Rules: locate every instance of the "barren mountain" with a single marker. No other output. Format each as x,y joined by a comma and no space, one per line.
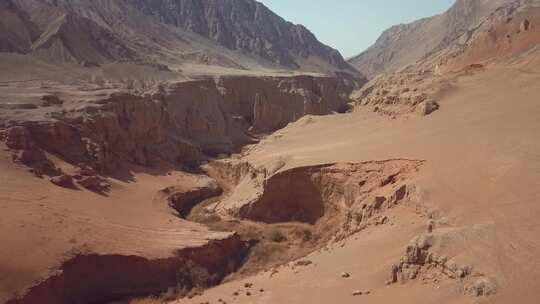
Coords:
415,77
406,44
244,25
241,34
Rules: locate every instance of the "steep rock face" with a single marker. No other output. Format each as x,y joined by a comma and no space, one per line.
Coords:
405,44
244,25
185,121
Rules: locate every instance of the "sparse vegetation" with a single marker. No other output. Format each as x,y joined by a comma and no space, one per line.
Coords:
147,300
277,236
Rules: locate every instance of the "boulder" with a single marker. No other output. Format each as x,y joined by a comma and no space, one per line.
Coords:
93,183
481,287
85,170
303,263
63,180
393,275
428,107
525,25
430,226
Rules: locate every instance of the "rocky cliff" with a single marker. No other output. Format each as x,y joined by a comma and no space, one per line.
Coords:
180,122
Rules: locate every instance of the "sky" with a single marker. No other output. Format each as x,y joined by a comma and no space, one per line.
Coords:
351,26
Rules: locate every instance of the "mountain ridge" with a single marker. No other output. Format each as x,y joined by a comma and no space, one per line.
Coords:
240,33
405,44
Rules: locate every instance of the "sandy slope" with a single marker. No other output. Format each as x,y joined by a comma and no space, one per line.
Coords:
481,176
48,225
366,256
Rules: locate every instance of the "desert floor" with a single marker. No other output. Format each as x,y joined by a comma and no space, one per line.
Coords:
482,174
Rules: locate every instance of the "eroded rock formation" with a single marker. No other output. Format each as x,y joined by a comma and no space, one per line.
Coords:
180,123
402,93
339,199
97,278
425,259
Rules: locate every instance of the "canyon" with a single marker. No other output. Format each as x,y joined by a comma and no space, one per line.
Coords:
157,151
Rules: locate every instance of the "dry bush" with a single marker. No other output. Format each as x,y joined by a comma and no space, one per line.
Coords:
205,218
148,300
277,236
302,233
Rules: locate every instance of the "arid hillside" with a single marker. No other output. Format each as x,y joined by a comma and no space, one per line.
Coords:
471,31
241,34
506,34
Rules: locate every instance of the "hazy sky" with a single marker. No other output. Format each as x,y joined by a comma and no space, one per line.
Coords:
353,25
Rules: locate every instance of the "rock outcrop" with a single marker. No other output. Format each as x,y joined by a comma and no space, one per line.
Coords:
339,199
418,257
63,180
26,151
426,259
402,93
